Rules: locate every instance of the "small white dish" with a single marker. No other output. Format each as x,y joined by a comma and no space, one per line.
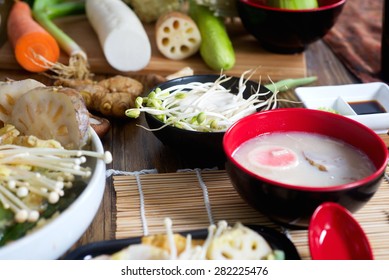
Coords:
341,98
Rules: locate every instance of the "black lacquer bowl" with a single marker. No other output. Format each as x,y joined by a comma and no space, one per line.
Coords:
288,31
276,240
196,143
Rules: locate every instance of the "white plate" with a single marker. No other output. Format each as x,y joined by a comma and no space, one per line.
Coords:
338,98
55,238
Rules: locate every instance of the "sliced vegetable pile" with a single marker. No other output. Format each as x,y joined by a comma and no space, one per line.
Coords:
46,112
222,243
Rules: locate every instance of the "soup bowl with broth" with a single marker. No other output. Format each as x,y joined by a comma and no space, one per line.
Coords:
287,162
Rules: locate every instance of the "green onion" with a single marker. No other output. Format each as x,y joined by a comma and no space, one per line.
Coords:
293,4
288,84
44,11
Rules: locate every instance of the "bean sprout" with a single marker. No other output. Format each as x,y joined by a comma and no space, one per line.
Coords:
205,107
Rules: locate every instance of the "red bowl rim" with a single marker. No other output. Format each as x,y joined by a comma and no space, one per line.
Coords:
264,7
378,173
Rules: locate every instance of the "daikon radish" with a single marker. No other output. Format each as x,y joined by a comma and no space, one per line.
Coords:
122,36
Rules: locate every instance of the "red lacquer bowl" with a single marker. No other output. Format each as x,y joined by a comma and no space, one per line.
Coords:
293,205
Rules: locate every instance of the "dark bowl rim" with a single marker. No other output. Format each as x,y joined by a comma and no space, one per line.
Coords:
256,5
194,132
277,240
174,128
374,176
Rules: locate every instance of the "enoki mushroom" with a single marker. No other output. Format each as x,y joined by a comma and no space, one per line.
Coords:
43,172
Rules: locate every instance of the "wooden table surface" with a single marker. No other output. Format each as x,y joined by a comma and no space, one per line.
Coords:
134,149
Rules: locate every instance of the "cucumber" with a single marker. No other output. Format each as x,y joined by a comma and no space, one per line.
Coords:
216,48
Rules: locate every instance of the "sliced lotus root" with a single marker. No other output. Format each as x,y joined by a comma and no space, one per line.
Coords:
177,35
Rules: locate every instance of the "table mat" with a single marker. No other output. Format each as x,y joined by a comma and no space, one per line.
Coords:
195,198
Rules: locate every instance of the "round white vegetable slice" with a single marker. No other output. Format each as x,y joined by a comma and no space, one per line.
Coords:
10,91
52,113
177,35
238,243
122,36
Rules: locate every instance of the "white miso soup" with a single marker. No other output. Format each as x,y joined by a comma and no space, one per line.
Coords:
305,159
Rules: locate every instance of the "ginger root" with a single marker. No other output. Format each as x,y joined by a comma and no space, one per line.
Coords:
110,97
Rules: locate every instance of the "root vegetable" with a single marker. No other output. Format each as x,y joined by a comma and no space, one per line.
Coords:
239,243
52,113
10,91
122,36
33,46
110,97
177,36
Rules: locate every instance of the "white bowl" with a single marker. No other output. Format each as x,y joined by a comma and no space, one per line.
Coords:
339,97
56,237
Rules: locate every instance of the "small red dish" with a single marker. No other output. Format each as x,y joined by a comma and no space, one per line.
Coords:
334,234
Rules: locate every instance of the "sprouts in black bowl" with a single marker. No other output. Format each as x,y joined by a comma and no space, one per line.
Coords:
194,123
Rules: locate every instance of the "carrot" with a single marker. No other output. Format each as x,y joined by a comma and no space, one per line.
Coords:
35,49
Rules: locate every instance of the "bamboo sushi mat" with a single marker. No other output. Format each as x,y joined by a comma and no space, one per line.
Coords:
195,198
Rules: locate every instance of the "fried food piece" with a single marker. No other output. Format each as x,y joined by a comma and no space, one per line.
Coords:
162,241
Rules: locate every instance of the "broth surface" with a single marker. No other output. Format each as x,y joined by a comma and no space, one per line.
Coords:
305,159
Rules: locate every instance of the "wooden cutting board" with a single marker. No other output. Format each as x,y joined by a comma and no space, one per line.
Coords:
249,54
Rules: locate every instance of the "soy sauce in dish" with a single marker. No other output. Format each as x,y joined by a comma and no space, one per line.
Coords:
367,107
